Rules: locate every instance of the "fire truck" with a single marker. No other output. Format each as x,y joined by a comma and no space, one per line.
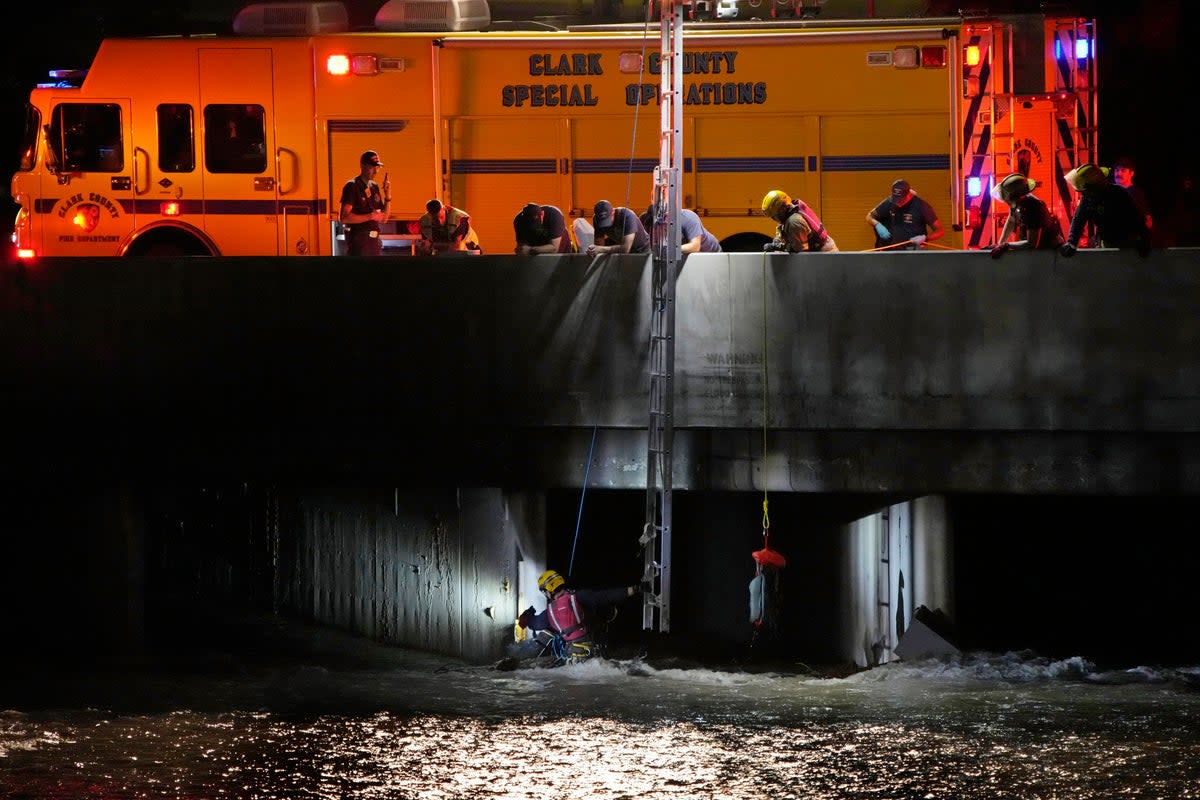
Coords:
240,144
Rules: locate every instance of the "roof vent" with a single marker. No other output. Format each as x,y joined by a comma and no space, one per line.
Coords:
291,19
433,15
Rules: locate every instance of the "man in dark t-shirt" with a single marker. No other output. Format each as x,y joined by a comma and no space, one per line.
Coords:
541,229
904,219
1122,175
364,205
618,230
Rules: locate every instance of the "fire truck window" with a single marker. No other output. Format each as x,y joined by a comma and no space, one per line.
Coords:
176,146
88,136
235,139
29,138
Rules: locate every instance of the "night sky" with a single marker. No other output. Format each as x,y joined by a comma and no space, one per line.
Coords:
1145,86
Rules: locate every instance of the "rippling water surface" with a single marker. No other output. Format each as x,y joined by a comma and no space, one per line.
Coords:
347,719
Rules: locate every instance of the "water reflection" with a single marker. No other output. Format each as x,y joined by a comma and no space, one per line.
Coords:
373,722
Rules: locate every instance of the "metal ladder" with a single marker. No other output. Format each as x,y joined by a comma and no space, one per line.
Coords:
660,432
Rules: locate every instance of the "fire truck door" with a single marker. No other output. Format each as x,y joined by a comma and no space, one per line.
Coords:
237,120
88,207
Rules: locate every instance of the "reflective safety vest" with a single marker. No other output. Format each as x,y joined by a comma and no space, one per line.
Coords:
566,617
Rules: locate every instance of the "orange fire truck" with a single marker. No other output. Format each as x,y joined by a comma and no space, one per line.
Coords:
241,144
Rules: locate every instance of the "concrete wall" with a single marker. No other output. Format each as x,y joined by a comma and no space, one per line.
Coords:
435,570
1028,373
891,562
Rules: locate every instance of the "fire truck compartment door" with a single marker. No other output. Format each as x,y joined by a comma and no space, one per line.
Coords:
497,166
238,151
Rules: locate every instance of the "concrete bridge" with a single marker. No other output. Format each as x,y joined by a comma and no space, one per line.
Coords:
405,432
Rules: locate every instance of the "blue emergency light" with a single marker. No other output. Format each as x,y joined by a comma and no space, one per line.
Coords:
1083,49
974,186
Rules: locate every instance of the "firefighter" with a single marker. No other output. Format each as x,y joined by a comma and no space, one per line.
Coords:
1109,207
573,614
902,218
365,205
1028,216
798,229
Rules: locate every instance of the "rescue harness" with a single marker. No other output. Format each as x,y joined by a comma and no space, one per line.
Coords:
817,237
567,617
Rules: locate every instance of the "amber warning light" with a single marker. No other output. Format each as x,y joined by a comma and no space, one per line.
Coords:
338,64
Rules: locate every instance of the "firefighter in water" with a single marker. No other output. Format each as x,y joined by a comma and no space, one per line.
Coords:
799,229
1109,207
573,615
1028,216
366,204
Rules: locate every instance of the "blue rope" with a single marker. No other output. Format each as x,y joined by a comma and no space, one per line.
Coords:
579,517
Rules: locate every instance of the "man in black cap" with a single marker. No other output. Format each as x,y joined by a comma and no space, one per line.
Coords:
904,219
618,230
541,229
364,206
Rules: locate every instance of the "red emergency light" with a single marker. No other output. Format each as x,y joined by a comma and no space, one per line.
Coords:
169,208
933,56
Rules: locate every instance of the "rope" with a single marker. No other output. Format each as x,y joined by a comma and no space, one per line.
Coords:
579,517
766,515
906,243
637,108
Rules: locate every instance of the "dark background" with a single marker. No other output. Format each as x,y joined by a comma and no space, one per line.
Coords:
1144,81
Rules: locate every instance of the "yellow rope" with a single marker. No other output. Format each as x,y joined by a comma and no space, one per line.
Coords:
766,517
906,243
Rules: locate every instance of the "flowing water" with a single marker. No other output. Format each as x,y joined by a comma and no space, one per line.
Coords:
338,717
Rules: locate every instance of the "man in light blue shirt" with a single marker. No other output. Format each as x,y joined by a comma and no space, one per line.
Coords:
694,237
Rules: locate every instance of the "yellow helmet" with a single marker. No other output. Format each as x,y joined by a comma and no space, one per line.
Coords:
775,201
1014,186
550,581
1086,175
